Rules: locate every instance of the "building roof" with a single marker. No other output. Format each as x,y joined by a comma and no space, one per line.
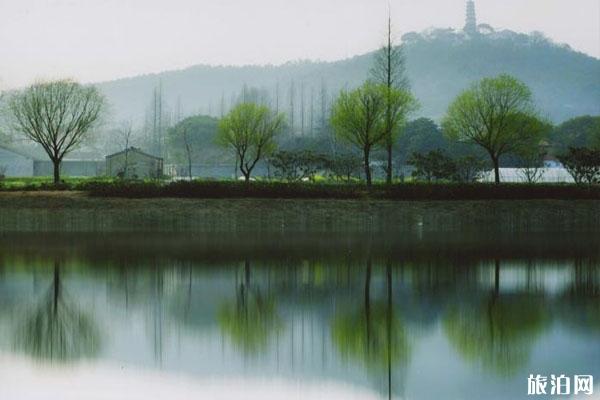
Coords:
135,150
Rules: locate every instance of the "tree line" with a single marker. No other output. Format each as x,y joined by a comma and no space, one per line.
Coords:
495,118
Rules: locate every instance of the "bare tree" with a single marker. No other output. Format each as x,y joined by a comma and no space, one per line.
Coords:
312,111
323,104
125,132
277,97
302,111
221,106
188,150
56,115
292,105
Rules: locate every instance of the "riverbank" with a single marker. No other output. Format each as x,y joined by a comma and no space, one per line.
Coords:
69,211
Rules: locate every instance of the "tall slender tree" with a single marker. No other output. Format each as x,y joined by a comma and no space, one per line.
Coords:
292,105
390,70
302,109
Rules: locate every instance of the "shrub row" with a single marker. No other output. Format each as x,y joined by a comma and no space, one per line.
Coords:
320,190
405,191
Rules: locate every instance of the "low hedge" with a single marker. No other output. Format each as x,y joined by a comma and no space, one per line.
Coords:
321,190
405,191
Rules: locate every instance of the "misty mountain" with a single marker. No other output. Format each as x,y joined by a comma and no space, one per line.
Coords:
440,63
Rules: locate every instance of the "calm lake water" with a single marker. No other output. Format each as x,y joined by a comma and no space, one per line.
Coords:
303,316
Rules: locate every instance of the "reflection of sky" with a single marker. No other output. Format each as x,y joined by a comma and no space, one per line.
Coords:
155,346
103,381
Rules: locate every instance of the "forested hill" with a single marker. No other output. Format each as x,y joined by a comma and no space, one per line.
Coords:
440,64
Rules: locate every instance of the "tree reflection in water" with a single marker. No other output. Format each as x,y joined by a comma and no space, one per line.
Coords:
374,335
55,329
499,331
579,306
252,319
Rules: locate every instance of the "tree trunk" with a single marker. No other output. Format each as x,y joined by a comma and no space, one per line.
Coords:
367,166
56,164
496,277
190,167
126,161
496,169
389,164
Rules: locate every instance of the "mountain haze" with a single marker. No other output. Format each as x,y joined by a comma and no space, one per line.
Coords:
440,63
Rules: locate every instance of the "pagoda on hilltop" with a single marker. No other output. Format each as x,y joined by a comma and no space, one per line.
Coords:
471,19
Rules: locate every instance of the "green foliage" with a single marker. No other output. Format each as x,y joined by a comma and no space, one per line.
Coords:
250,321
420,136
250,130
344,166
295,166
400,103
197,132
468,169
582,164
433,166
56,115
357,116
496,114
349,333
581,131
437,166
498,334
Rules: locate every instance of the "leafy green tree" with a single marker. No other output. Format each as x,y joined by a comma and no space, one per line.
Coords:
583,164
56,115
344,165
190,138
498,332
530,154
420,136
358,118
468,169
295,166
250,130
432,166
581,131
496,114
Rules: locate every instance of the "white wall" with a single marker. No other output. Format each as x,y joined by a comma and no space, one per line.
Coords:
549,175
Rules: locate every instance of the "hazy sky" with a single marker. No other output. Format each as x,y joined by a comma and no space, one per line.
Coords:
93,40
